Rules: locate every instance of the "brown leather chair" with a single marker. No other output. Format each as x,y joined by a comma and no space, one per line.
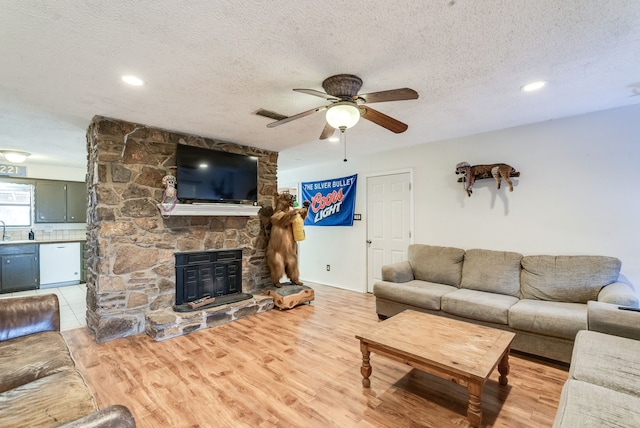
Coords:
39,382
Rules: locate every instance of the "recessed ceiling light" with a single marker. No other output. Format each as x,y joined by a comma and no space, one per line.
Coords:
132,80
334,139
533,86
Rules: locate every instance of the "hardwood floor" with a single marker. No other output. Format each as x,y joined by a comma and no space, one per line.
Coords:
298,368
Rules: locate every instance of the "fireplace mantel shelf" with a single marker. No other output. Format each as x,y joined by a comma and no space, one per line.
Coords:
238,210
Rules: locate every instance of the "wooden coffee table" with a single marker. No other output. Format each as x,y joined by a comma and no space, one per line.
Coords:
462,352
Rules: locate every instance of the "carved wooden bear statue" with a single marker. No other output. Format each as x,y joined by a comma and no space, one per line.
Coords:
282,252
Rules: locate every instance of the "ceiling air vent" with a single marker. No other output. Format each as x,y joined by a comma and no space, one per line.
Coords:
270,114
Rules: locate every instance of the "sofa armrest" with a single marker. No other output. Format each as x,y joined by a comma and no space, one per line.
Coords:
607,318
397,272
618,293
115,416
20,316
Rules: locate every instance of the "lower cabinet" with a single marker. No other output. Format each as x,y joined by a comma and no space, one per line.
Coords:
83,262
19,268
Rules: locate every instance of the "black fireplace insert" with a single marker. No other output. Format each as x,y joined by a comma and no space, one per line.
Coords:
208,273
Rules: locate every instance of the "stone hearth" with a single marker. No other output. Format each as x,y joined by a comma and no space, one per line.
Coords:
167,323
131,246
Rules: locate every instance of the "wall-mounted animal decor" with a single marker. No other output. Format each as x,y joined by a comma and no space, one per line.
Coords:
478,172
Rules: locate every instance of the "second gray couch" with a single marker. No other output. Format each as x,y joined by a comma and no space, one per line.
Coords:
603,389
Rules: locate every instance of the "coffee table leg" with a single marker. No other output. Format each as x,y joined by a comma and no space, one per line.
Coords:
503,368
366,366
474,411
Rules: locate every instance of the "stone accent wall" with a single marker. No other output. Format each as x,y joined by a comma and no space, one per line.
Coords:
131,264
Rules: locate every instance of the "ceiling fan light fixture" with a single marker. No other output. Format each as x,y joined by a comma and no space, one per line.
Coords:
343,115
15,156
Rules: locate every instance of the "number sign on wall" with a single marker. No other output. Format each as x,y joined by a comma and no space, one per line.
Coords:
13,170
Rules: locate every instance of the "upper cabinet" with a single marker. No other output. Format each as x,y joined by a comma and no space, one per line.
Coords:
61,201
51,202
76,202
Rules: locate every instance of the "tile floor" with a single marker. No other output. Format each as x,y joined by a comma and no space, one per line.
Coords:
73,304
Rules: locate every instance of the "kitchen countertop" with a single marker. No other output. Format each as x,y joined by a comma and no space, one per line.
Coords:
41,241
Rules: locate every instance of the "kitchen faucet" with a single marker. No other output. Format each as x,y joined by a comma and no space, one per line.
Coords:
4,230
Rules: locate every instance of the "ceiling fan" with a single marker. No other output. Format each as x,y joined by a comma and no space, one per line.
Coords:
347,106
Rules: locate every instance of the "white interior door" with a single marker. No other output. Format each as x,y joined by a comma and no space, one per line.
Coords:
388,222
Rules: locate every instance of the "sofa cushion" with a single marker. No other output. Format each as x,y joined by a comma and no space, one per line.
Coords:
492,271
442,265
47,402
421,294
557,319
618,293
609,319
575,279
27,358
478,305
397,272
586,405
606,360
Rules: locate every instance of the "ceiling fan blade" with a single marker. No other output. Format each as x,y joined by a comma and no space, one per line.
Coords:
327,132
383,120
392,95
295,116
317,94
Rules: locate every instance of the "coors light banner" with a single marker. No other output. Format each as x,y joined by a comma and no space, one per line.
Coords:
332,201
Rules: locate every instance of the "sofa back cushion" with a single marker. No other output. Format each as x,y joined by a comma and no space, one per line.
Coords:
573,279
493,271
436,264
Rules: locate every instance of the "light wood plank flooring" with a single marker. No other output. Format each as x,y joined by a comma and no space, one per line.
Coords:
298,368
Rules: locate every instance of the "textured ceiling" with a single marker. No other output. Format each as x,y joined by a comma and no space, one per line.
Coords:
208,65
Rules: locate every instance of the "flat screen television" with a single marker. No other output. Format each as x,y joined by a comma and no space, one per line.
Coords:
206,176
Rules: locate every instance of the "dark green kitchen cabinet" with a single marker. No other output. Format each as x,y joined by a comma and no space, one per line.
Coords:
83,262
76,202
19,267
51,202
61,201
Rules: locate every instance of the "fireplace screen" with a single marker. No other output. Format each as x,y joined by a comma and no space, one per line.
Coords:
208,273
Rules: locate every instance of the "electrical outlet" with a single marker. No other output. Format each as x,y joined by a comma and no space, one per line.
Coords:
328,268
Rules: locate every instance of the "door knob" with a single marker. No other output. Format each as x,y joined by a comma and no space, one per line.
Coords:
369,241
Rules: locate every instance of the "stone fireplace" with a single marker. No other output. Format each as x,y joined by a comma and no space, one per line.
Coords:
131,246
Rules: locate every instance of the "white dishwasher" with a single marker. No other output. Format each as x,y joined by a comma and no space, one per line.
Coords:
59,264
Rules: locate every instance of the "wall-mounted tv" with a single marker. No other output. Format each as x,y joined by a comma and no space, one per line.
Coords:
206,175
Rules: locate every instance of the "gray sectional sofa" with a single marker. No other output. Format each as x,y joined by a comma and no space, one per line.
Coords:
543,299
603,389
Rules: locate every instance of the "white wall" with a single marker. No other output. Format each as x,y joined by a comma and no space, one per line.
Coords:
577,194
48,172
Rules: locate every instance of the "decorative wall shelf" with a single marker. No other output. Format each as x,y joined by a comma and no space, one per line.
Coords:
237,210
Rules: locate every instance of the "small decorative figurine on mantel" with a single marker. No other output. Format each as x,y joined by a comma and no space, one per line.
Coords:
477,172
169,197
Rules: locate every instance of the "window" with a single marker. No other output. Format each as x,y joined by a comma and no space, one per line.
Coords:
15,204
